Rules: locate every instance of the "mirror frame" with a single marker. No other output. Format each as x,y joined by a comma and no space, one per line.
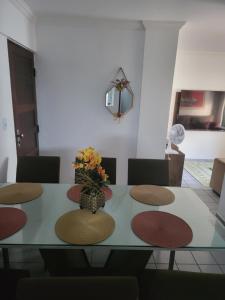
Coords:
121,78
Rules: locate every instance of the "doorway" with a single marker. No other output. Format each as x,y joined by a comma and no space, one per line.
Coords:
22,74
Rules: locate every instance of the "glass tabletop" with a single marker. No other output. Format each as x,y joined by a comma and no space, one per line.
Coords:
43,213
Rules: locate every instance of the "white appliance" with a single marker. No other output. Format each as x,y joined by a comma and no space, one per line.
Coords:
176,136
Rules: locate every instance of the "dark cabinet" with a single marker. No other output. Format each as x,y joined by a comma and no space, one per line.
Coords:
176,165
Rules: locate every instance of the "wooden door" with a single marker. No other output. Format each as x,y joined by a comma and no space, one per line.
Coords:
22,72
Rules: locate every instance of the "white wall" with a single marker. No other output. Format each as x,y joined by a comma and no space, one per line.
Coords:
77,59
15,25
7,144
196,70
17,22
203,144
158,70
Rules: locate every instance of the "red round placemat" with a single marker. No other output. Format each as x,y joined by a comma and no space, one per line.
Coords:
74,193
162,229
11,221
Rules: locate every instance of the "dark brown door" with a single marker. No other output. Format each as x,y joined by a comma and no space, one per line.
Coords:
22,72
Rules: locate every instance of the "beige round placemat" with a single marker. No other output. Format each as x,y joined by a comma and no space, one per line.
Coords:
81,227
20,192
152,194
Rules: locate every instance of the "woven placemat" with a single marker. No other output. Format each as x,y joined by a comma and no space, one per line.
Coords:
162,229
152,194
74,193
20,192
11,220
81,227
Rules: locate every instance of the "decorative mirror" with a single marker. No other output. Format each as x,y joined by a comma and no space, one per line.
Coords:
119,97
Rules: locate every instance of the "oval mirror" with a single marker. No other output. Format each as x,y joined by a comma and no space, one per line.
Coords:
119,98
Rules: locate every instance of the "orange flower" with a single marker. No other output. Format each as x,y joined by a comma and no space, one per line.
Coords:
102,173
89,160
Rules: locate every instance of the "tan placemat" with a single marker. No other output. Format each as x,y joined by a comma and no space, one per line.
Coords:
152,194
81,227
20,192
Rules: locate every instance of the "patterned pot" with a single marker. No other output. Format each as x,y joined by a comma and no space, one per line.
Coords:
92,201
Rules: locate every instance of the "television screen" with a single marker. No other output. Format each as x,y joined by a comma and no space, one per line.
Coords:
200,110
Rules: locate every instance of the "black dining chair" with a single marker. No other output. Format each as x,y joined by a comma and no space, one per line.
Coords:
9,280
109,164
176,285
150,285
46,169
40,169
148,171
85,288
140,171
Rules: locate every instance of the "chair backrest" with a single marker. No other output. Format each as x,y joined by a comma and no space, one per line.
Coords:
148,171
43,169
84,288
109,164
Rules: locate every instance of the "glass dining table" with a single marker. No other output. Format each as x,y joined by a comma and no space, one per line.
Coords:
43,213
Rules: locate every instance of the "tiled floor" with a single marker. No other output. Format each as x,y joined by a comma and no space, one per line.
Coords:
196,261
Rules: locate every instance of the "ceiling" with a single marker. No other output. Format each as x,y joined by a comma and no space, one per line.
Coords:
205,18
133,9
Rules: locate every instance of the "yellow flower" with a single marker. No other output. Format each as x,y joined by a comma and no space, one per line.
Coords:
80,156
88,153
78,165
89,159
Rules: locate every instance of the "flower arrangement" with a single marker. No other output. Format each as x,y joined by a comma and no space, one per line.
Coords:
120,84
89,171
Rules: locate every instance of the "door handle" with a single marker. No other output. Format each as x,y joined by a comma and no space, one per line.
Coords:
19,137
